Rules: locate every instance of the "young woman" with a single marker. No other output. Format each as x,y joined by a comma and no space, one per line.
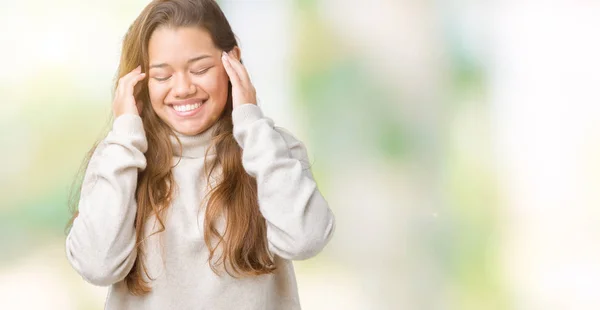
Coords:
194,200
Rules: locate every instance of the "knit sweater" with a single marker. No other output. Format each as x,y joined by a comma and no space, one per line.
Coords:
101,243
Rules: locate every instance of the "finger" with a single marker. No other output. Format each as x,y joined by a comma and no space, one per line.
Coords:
131,83
124,80
138,83
239,68
233,76
132,73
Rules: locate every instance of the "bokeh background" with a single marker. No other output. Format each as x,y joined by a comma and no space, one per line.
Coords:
457,142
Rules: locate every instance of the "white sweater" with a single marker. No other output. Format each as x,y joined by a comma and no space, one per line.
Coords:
101,243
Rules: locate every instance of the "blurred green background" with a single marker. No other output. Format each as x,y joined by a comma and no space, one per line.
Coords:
457,142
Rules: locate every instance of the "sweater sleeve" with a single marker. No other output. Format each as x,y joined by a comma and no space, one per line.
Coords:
299,220
101,243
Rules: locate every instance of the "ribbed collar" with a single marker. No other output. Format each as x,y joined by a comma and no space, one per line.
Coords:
193,146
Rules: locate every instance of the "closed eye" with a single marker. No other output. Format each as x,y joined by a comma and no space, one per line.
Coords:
161,79
200,72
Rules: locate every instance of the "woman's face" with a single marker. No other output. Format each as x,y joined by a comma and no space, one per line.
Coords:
186,79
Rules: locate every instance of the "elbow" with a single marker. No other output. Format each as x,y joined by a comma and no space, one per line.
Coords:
307,244
307,248
101,269
315,241
105,273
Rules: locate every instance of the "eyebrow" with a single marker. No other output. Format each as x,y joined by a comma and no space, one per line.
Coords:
162,65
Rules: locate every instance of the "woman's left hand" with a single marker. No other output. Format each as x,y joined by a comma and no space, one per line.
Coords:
242,89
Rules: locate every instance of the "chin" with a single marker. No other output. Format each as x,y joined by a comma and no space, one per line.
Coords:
189,131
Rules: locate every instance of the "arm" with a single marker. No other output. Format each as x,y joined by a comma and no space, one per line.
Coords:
101,243
299,220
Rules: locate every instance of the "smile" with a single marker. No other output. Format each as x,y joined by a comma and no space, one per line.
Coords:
187,107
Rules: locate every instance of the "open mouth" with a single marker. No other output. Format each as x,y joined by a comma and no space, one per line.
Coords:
186,109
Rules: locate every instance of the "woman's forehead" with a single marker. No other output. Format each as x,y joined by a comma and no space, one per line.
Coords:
180,44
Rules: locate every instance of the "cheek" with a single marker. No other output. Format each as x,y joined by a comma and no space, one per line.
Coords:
216,84
157,93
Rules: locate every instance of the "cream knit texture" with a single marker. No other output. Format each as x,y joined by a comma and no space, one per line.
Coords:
101,243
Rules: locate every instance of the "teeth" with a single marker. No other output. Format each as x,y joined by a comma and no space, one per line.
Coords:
187,107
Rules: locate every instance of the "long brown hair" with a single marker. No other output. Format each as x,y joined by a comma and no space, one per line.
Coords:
243,249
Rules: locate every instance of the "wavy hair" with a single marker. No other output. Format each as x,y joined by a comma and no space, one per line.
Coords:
241,250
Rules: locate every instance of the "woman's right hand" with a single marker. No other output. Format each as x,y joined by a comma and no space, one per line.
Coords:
124,102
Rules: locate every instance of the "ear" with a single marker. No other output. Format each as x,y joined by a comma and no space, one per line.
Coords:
236,52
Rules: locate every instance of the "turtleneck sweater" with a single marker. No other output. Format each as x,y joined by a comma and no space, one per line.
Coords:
101,243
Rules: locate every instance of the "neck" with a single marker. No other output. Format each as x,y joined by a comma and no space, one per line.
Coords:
192,146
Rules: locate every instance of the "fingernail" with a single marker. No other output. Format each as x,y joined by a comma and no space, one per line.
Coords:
225,54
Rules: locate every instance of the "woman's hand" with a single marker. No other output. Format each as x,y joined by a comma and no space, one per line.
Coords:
242,89
124,102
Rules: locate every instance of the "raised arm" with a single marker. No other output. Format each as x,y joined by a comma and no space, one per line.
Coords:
101,243
299,220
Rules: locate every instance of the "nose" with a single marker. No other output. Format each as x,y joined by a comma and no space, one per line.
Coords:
183,87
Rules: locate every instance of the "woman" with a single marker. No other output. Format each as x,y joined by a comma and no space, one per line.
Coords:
194,200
